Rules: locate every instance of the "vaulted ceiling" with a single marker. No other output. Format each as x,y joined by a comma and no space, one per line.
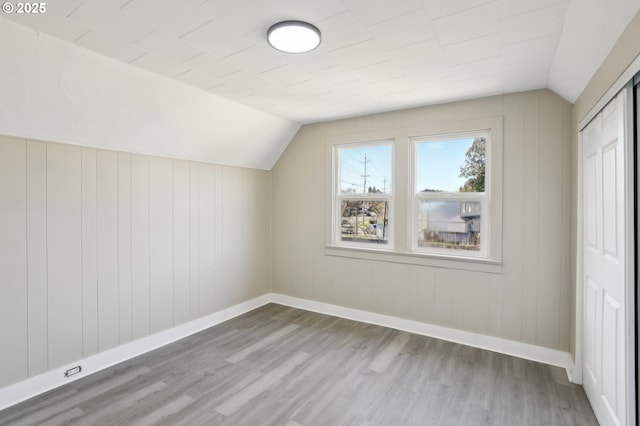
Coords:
376,55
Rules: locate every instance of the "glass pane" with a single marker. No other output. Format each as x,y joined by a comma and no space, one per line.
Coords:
365,170
456,165
364,220
449,224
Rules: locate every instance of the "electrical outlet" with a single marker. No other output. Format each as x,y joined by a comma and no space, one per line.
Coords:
75,370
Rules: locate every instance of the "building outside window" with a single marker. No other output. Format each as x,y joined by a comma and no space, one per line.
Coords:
451,194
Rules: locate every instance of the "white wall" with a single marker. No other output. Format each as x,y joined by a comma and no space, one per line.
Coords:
56,91
528,301
99,248
623,53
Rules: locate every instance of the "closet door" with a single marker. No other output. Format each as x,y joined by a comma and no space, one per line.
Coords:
605,368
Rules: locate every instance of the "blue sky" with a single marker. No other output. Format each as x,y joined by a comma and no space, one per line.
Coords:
438,165
378,168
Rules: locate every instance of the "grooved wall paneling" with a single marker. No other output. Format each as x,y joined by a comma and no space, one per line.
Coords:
37,255
551,252
529,251
181,242
13,260
194,197
107,242
247,233
89,252
140,245
207,221
124,247
99,248
64,253
528,300
160,244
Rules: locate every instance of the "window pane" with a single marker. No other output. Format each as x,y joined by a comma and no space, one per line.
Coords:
456,165
365,220
449,224
365,170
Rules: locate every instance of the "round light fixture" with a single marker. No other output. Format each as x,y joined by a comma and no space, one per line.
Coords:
293,36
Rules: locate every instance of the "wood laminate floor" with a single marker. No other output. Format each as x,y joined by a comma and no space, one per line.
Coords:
284,366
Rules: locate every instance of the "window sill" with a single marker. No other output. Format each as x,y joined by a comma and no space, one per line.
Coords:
419,259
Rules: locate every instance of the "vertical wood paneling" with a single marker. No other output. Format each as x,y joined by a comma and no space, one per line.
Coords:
496,319
513,304
99,248
412,309
567,297
389,285
161,244
550,235
181,242
349,283
514,219
107,243
13,261
207,238
426,293
89,253
260,240
37,255
124,247
233,230
474,302
64,244
531,219
239,202
140,245
443,297
220,226
194,289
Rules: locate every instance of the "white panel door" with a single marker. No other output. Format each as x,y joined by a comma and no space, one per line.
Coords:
605,343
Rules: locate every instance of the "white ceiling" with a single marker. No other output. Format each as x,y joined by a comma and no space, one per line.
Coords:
376,55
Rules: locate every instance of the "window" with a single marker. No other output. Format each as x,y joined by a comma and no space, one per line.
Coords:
419,195
451,194
363,197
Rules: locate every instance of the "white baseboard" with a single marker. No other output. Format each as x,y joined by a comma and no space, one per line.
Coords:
495,344
21,391
575,373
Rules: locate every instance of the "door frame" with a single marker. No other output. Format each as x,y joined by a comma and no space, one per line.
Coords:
627,91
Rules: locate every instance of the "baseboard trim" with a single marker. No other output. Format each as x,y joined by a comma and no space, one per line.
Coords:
509,347
21,391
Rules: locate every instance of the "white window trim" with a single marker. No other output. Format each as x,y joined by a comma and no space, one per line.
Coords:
402,196
483,198
337,197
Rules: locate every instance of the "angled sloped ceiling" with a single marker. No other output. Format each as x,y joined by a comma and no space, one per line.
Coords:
53,90
590,30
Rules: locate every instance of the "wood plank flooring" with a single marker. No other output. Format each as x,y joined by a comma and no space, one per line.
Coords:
284,366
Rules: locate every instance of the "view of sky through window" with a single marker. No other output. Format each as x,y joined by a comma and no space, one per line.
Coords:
438,164
366,169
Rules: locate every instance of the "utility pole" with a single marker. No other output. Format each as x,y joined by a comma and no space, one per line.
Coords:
364,191
365,175
384,186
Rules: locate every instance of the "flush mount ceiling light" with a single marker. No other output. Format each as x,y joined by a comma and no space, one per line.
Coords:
293,36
